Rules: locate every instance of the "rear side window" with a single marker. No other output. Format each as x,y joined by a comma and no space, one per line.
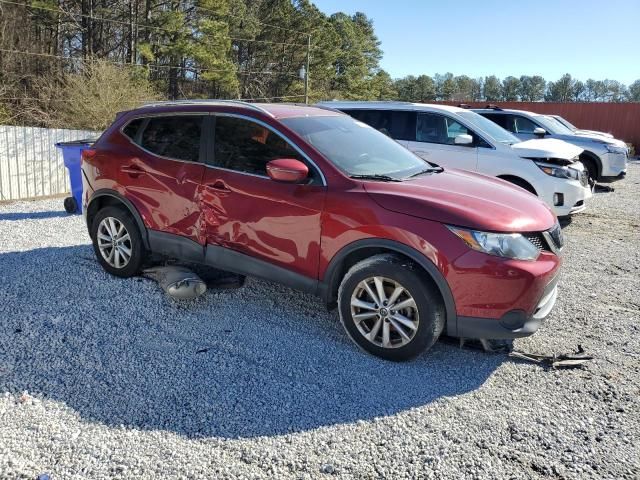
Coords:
176,137
132,128
502,120
399,125
246,146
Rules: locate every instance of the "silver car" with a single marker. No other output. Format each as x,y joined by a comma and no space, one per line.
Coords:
604,158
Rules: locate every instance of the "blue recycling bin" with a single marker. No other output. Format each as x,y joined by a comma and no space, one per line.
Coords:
71,153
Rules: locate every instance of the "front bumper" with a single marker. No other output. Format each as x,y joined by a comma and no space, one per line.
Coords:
573,195
514,323
614,165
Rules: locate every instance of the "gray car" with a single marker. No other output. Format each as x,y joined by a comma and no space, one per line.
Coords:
604,158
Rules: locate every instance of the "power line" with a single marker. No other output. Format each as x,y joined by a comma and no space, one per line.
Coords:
151,65
134,102
131,24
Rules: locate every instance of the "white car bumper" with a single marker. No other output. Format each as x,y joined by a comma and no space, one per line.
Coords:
614,164
566,197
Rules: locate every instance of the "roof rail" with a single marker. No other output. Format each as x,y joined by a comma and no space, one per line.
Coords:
327,107
211,101
493,107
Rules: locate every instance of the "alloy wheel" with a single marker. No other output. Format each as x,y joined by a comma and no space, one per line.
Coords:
114,242
384,312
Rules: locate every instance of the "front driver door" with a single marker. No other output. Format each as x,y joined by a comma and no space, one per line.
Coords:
434,141
268,223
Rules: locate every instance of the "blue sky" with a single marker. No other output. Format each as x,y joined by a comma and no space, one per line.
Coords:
588,39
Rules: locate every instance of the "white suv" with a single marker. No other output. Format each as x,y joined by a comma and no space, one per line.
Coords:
453,137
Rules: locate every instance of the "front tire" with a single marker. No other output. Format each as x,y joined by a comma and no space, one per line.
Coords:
389,308
117,242
592,169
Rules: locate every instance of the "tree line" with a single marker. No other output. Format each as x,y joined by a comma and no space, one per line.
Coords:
76,62
526,88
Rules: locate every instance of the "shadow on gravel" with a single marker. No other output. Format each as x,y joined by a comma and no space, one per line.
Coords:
260,360
31,215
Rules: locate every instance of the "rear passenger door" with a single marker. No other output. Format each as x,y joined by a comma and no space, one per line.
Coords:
271,224
163,175
434,141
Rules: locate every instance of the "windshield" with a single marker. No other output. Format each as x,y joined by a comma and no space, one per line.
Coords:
493,130
356,148
553,126
565,122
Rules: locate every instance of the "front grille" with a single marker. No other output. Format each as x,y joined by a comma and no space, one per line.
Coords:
550,241
538,240
557,236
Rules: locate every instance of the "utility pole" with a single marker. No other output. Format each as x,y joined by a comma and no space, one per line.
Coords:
306,76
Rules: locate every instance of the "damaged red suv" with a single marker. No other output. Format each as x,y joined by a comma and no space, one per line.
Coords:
318,201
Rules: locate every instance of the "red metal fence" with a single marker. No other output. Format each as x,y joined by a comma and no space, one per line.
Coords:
620,119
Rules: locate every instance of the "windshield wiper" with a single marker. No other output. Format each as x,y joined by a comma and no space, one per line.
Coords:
375,176
427,170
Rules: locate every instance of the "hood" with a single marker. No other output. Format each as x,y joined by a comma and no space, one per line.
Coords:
593,132
465,199
591,137
547,148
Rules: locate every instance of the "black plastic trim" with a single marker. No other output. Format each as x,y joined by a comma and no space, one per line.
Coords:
232,261
176,246
492,328
183,248
104,192
330,281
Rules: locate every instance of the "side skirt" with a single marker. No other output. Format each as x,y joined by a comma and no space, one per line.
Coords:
215,256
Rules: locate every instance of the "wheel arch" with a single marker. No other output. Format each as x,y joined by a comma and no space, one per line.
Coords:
104,198
587,155
361,249
521,182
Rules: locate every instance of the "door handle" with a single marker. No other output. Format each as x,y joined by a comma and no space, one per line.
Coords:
132,170
218,187
421,152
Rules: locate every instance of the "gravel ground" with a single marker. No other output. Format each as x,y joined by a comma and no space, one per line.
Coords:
108,378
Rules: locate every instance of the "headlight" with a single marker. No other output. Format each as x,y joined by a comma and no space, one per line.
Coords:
615,148
560,172
508,245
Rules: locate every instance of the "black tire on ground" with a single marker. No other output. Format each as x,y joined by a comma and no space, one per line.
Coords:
70,205
591,167
429,305
135,244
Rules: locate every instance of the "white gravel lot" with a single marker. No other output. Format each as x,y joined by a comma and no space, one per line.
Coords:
108,378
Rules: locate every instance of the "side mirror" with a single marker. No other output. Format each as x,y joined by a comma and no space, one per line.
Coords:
463,139
287,170
539,132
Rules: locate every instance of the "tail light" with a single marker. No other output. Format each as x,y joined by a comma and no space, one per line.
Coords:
87,153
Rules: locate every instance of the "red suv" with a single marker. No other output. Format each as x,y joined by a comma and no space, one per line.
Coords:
323,203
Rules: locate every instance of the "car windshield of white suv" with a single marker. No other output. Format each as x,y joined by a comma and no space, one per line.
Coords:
493,130
565,122
551,125
359,150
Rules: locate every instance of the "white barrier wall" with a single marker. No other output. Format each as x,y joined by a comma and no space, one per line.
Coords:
30,164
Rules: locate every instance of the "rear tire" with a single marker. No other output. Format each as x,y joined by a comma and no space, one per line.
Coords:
117,242
389,308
